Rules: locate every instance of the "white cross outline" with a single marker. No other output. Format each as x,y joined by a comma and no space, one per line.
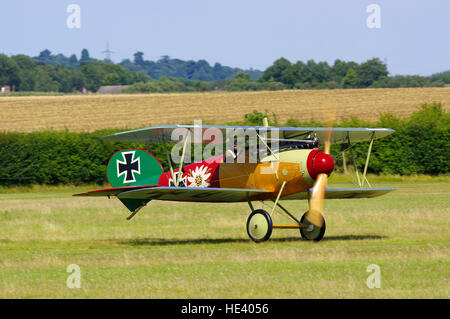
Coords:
138,160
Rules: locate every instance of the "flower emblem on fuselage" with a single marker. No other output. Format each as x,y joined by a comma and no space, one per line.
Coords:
199,177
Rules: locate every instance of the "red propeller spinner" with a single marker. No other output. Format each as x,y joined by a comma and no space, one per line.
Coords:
319,162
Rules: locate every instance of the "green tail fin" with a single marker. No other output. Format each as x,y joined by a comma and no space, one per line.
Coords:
133,167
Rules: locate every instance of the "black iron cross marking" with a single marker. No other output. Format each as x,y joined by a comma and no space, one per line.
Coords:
128,167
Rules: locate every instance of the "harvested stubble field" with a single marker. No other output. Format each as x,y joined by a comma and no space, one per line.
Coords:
93,112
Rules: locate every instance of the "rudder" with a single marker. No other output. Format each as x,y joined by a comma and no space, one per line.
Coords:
133,167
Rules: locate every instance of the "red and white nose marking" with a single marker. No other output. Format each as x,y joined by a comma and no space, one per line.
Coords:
319,163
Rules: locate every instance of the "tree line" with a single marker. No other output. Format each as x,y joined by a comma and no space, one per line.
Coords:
22,73
320,75
191,70
58,73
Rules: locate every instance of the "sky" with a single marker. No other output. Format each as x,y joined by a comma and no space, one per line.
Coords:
412,36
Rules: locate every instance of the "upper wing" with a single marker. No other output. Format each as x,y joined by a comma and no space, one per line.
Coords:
340,193
157,134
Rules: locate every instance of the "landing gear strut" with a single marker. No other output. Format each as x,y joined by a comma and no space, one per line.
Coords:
260,226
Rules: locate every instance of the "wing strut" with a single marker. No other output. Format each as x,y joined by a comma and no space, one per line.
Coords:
367,160
176,181
168,159
183,153
363,179
353,160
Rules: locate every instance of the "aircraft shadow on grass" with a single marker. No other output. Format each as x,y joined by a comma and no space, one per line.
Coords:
190,241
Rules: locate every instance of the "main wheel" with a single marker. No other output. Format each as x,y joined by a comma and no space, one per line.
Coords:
312,232
259,225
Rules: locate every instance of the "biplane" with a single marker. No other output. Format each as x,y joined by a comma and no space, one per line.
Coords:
292,168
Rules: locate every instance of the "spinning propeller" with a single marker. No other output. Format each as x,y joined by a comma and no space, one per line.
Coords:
323,164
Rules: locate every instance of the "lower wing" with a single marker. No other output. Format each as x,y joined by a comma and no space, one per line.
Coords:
341,193
191,194
135,197
112,191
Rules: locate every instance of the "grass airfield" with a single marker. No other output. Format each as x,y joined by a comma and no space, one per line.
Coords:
191,250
